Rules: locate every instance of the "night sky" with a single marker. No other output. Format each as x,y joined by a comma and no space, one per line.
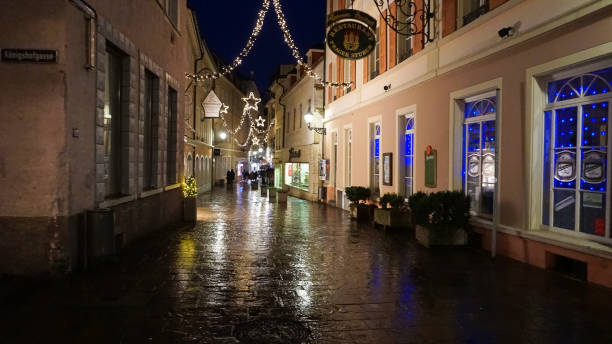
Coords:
226,25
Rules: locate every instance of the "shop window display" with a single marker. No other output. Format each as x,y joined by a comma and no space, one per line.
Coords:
297,175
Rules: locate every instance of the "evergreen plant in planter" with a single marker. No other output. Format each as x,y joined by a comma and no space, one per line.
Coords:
441,218
358,195
190,193
393,212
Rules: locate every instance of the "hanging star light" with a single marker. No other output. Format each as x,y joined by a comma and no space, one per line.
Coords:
255,141
260,121
251,102
224,109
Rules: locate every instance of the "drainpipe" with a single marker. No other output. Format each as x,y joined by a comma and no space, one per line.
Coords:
91,16
284,109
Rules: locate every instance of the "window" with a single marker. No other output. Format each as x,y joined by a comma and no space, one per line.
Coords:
113,96
335,158
375,58
301,116
294,114
171,136
576,190
171,9
404,41
347,156
479,140
150,143
297,175
470,10
408,151
375,137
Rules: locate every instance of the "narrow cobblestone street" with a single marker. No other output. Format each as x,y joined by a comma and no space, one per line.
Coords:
252,271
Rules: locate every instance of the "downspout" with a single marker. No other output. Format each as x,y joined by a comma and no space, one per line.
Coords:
91,16
284,110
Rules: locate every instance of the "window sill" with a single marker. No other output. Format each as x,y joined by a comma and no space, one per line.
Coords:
577,244
149,193
172,187
116,201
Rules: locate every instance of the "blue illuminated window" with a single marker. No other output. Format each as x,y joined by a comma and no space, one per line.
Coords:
479,154
408,171
575,186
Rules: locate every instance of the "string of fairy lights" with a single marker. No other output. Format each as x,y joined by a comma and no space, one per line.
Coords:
243,54
199,77
296,53
251,104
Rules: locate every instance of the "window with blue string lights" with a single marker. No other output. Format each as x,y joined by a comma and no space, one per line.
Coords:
479,141
576,180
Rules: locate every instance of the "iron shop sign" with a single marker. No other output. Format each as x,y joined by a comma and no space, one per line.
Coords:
351,34
29,55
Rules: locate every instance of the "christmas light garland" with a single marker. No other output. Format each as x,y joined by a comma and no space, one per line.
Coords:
199,77
251,103
296,53
244,53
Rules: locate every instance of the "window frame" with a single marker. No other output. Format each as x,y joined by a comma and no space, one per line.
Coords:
399,38
577,103
466,154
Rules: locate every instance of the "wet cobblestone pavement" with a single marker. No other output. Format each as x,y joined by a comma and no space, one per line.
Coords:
252,271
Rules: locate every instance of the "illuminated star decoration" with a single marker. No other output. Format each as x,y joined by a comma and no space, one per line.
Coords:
224,109
251,102
255,141
260,121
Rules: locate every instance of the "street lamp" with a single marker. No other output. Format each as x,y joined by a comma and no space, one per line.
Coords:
308,118
222,135
260,150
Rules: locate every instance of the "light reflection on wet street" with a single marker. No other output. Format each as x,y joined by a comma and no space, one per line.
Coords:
252,271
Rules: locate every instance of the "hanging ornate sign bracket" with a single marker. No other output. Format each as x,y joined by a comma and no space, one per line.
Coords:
412,14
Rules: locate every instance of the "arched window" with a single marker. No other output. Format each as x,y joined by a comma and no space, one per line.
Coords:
479,140
576,190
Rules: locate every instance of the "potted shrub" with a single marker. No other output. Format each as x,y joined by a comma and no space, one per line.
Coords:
281,196
190,193
441,218
393,212
358,195
264,190
254,184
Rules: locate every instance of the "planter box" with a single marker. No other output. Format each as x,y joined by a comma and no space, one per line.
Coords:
392,218
190,210
272,195
281,196
254,185
431,237
264,191
360,213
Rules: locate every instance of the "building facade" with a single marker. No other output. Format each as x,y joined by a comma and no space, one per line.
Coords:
97,127
205,131
513,95
297,148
